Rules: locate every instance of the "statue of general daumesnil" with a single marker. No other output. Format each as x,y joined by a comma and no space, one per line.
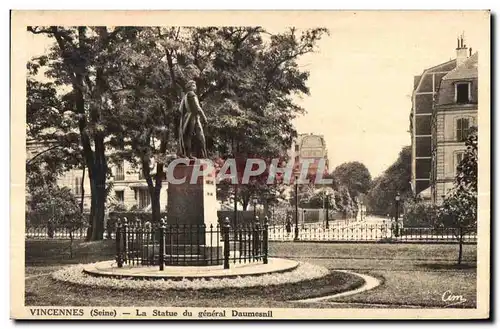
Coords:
190,125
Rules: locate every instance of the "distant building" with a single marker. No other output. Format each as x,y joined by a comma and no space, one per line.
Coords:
311,147
129,186
444,107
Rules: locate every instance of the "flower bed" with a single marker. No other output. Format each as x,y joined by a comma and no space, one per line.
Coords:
305,271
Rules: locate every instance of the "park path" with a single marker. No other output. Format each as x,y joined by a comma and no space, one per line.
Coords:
370,283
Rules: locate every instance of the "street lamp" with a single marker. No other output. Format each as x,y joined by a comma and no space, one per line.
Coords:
255,207
327,205
304,219
397,199
296,207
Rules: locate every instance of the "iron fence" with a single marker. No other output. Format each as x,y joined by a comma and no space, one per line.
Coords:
48,231
359,232
54,232
241,237
146,244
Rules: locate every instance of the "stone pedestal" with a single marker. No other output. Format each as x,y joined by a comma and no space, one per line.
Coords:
190,205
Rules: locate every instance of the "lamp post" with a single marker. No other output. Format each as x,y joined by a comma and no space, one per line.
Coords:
397,199
327,205
296,207
303,219
255,207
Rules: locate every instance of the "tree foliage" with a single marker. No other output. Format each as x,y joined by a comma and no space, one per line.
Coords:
52,142
125,85
82,62
459,208
396,178
353,175
466,178
55,208
419,214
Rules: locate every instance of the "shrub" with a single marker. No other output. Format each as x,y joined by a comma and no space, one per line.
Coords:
419,214
56,208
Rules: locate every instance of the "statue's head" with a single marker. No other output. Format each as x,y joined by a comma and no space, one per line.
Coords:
191,85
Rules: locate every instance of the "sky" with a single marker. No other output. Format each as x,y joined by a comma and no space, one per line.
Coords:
361,77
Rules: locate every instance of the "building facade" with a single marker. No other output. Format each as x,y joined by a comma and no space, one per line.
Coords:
444,107
310,147
424,92
455,112
128,184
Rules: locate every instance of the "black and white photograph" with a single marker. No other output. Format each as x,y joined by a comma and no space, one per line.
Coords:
226,166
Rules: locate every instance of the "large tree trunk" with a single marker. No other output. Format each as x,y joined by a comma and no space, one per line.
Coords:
95,161
154,188
99,198
155,205
95,230
82,187
93,197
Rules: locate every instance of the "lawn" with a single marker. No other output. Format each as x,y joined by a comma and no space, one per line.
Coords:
411,274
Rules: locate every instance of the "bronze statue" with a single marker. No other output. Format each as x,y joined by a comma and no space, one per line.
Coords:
190,124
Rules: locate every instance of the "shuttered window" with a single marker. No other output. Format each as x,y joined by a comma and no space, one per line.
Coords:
462,129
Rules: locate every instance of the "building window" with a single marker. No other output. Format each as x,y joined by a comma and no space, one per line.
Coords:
119,174
462,93
296,147
144,199
78,185
462,129
119,196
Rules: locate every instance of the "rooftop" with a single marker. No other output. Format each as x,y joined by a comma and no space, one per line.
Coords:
468,69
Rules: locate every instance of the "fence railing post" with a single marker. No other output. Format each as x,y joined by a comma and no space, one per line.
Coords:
161,251
225,229
125,239
119,257
265,238
256,238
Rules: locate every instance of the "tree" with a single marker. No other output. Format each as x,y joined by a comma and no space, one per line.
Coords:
419,214
466,178
396,178
52,141
127,82
355,176
459,208
459,211
246,85
58,208
319,199
82,60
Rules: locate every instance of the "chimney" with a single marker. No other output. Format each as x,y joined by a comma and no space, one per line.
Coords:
462,51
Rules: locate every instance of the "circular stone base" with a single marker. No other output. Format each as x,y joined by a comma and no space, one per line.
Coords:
110,269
